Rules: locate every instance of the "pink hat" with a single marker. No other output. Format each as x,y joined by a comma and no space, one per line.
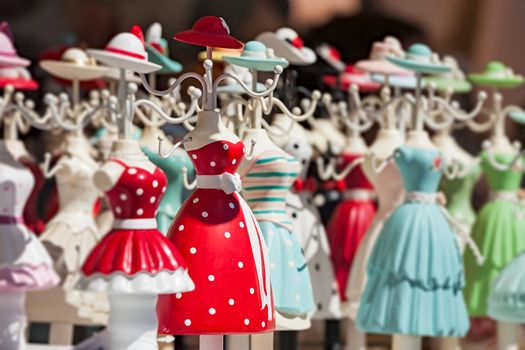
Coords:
8,55
377,63
126,51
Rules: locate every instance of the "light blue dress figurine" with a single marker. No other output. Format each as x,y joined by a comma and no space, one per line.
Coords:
416,271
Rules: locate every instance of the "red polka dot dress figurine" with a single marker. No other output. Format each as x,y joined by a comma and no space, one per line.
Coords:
221,242
215,230
134,262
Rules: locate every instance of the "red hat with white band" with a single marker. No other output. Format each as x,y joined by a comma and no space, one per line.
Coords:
126,51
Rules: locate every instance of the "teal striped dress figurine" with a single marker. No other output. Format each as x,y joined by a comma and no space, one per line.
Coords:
267,178
415,271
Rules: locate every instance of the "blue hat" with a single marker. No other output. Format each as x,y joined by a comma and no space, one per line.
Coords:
421,59
397,81
256,56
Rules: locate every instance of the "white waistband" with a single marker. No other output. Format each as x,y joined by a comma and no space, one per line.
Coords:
135,224
503,196
421,197
227,182
358,195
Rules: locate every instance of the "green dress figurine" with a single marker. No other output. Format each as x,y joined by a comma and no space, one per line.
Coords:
498,231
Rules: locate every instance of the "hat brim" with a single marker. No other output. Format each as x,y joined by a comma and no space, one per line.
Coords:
209,40
491,81
217,55
168,65
381,67
72,71
459,86
397,81
19,84
299,57
114,74
346,79
420,67
237,89
518,117
257,63
13,61
118,60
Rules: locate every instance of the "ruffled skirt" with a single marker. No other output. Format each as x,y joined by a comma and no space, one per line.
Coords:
415,277
507,298
136,262
24,263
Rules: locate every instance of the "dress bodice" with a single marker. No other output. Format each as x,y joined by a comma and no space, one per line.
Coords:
267,183
356,179
217,157
76,190
421,169
458,191
501,180
137,193
16,184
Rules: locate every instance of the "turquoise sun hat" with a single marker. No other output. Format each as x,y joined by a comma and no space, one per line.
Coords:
454,79
397,81
256,55
420,58
497,75
157,49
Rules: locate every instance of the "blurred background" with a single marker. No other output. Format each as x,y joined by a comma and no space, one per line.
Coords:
474,31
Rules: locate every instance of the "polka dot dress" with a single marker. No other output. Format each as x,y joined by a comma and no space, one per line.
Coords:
147,260
211,232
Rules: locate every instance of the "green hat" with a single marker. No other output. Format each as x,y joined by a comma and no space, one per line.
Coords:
256,56
497,75
421,59
157,49
454,79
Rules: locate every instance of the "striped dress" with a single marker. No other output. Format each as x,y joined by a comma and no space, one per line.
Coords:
265,186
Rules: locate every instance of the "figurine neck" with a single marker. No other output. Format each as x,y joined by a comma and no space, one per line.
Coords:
419,139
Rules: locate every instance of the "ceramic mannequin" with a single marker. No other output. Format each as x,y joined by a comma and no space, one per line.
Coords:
216,153
69,237
25,263
400,243
134,262
12,123
266,150
503,171
389,188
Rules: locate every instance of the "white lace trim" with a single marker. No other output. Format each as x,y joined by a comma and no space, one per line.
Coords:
164,282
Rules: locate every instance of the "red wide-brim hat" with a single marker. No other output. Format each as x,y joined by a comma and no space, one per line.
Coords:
19,83
209,31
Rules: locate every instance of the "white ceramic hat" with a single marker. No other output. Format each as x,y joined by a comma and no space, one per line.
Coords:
377,62
126,51
74,64
288,44
8,55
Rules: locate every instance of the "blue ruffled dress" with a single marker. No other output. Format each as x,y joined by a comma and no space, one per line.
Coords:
415,272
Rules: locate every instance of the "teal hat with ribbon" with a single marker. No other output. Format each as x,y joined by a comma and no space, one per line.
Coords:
420,58
157,49
256,55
